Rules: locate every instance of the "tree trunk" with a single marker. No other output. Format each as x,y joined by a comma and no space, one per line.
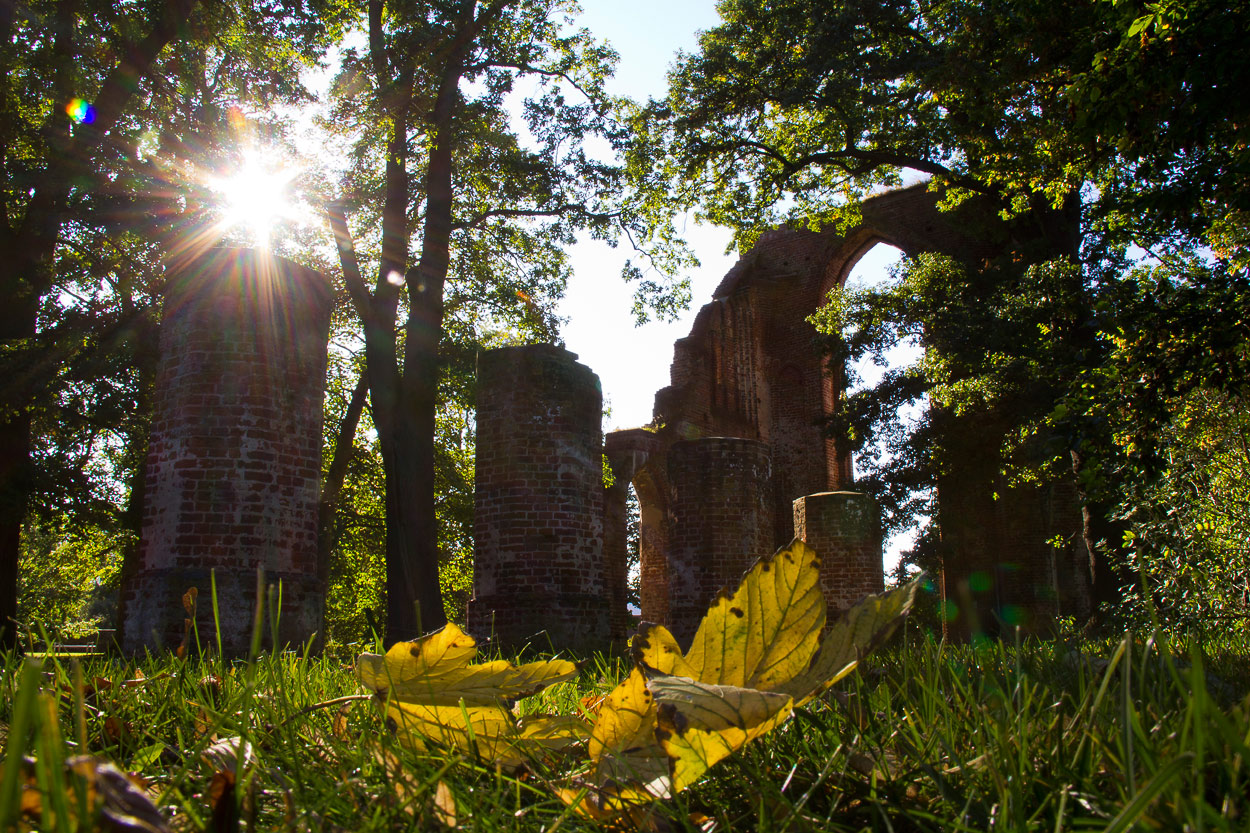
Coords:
417,528
14,477
17,329
146,333
332,488
1103,536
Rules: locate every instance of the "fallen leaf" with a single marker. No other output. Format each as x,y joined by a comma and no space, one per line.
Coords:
444,805
435,670
119,799
228,755
188,601
758,653
225,808
430,691
339,727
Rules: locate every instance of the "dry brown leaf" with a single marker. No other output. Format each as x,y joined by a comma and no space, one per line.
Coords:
120,799
443,805
339,728
225,812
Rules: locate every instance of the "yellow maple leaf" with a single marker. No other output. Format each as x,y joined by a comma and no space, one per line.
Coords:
757,654
431,691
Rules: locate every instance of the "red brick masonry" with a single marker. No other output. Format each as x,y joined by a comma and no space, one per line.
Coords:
234,459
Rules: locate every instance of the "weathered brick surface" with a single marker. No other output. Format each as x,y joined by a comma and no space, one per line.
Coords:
844,528
234,457
719,522
633,457
539,497
750,368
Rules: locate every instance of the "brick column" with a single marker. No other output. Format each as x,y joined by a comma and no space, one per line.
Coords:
845,530
720,521
615,555
538,524
234,459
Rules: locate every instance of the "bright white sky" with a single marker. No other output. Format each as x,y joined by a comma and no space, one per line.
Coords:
633,362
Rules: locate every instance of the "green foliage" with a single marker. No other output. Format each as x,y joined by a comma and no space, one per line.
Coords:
1087,129
1190,537
69,581
1143,733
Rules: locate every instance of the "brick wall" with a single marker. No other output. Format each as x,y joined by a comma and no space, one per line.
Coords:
750,368
539,497
719,522
844,528
234,458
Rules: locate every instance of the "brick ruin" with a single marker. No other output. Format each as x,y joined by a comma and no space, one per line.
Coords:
736,463
538,500
234,455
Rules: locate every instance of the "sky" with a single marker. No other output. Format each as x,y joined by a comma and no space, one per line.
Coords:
633,362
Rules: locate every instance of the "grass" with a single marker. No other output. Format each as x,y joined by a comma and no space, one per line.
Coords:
1131,734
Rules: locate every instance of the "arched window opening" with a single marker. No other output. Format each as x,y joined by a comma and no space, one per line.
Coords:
633,553
876,270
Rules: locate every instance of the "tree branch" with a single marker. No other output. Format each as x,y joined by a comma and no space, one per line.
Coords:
533,70
347,259
377,45
567,208
844,159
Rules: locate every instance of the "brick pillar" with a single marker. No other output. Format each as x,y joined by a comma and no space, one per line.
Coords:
844,528
615,550
234,458
538,524
652,556
720,521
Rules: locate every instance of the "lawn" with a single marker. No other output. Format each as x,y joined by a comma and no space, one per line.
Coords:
1136,733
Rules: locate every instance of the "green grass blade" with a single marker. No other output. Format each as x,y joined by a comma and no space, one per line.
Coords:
1134,809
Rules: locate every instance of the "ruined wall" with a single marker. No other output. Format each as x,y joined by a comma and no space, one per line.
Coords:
539,497
234,457
751,369
845,530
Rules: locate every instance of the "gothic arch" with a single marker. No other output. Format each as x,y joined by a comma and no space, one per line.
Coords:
750,369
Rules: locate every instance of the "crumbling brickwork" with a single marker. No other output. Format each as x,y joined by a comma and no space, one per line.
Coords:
539,494
750,368
719,522
737,461
845,530
234,457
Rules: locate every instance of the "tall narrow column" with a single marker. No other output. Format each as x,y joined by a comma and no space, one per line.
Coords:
844,528
538,523
720,522
615,550
234,459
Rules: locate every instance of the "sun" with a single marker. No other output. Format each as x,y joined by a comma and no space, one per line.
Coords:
256,197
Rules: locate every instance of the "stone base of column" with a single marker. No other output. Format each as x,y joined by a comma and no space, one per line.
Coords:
155,615
581,623
844,528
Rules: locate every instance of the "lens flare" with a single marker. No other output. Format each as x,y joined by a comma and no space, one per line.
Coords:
256,197
80,111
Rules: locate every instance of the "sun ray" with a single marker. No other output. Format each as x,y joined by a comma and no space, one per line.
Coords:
256,197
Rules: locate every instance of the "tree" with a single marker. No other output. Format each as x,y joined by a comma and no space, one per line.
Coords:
83,86
1086,126
472,219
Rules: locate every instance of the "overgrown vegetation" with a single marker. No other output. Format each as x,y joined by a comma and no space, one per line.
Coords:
1140,733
